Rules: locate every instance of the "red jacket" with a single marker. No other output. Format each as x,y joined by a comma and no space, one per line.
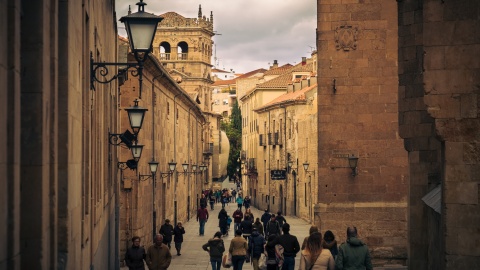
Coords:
202,214
237,216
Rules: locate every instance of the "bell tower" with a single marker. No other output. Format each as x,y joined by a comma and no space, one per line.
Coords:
184,47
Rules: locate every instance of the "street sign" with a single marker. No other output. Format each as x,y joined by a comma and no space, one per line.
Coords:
278,174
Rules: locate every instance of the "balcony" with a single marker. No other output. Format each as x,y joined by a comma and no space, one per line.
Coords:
165,56
262,140
182,56
208,149
278,138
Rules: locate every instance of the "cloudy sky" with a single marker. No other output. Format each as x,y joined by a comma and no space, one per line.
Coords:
253,32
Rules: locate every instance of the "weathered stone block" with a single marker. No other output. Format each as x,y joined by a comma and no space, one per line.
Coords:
461,192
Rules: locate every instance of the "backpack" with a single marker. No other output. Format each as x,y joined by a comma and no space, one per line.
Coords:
279,254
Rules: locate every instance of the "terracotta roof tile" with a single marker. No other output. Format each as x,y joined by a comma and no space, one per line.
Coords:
278,82
279,70
288,97
224,82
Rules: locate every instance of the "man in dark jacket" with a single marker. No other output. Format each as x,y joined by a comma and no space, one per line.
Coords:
272,227
202,217
215,248
167,231
353,254
280,219
265,219
255,247
135,255
246,226
178,233
290,247
203,202
237,219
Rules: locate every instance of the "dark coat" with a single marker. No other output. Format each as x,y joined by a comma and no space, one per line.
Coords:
215,248
134,258
237,216
273,227
167,231
265,218
255,245
246,226
178,234
222,218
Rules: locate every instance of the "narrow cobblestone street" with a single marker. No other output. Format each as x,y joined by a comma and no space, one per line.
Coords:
194,257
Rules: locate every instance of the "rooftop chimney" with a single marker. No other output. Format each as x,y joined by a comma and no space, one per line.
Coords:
304,61
275,64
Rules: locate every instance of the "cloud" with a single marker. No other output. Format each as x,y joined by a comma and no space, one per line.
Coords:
253,33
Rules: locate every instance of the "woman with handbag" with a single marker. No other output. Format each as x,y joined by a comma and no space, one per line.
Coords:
215,249
238,249
314,257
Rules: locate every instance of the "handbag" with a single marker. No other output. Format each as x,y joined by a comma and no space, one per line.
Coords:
262,262
227,260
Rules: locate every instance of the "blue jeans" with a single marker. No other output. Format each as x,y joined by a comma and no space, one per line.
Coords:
202,226
237,262
288,263
216,263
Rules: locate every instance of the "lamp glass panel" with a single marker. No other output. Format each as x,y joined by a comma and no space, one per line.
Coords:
352,161
136,119
185,167
194,167
136,151
153,166
142,33
172,165
306,165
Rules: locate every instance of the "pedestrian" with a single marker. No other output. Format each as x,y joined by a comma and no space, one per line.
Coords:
330,243
215,248
212,200
290,247
234,194
203,201
314,257
256,247
272,263
272,226
248,212
238,249
202,218
158,255
313,229
246,226
166,230
222,221
247,202
240,202
281,219
237,219
135,255
178,233
265,219
258,225
229,221
353,254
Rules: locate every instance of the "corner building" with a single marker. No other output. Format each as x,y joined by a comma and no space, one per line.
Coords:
358,115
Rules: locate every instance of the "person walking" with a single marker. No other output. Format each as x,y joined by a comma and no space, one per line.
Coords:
353,254
222,221
290,247
203,202
259,226
246,226
212,200
158,255
272,263
247,202
240,202
178,233
248,212
330,243
313,229
202,218
314,257
167,231
238,249
215,248
237,219
256,247
280,219
135,255
265,219
272,226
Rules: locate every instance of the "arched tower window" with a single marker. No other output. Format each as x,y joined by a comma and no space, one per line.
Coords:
182,50
165,51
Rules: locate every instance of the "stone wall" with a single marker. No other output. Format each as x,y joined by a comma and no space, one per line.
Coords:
358,115
439,85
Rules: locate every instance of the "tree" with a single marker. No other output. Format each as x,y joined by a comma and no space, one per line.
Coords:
233,129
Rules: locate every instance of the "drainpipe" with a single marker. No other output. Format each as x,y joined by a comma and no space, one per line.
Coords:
154,184
175,178
189,159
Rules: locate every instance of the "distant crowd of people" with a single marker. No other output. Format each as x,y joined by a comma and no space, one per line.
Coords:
265,242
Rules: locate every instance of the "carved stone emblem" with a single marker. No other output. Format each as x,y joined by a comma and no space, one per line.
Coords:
346,37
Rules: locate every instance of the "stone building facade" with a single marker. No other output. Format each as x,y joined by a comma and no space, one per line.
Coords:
173,131
439,75
279,121
358,116
59,178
